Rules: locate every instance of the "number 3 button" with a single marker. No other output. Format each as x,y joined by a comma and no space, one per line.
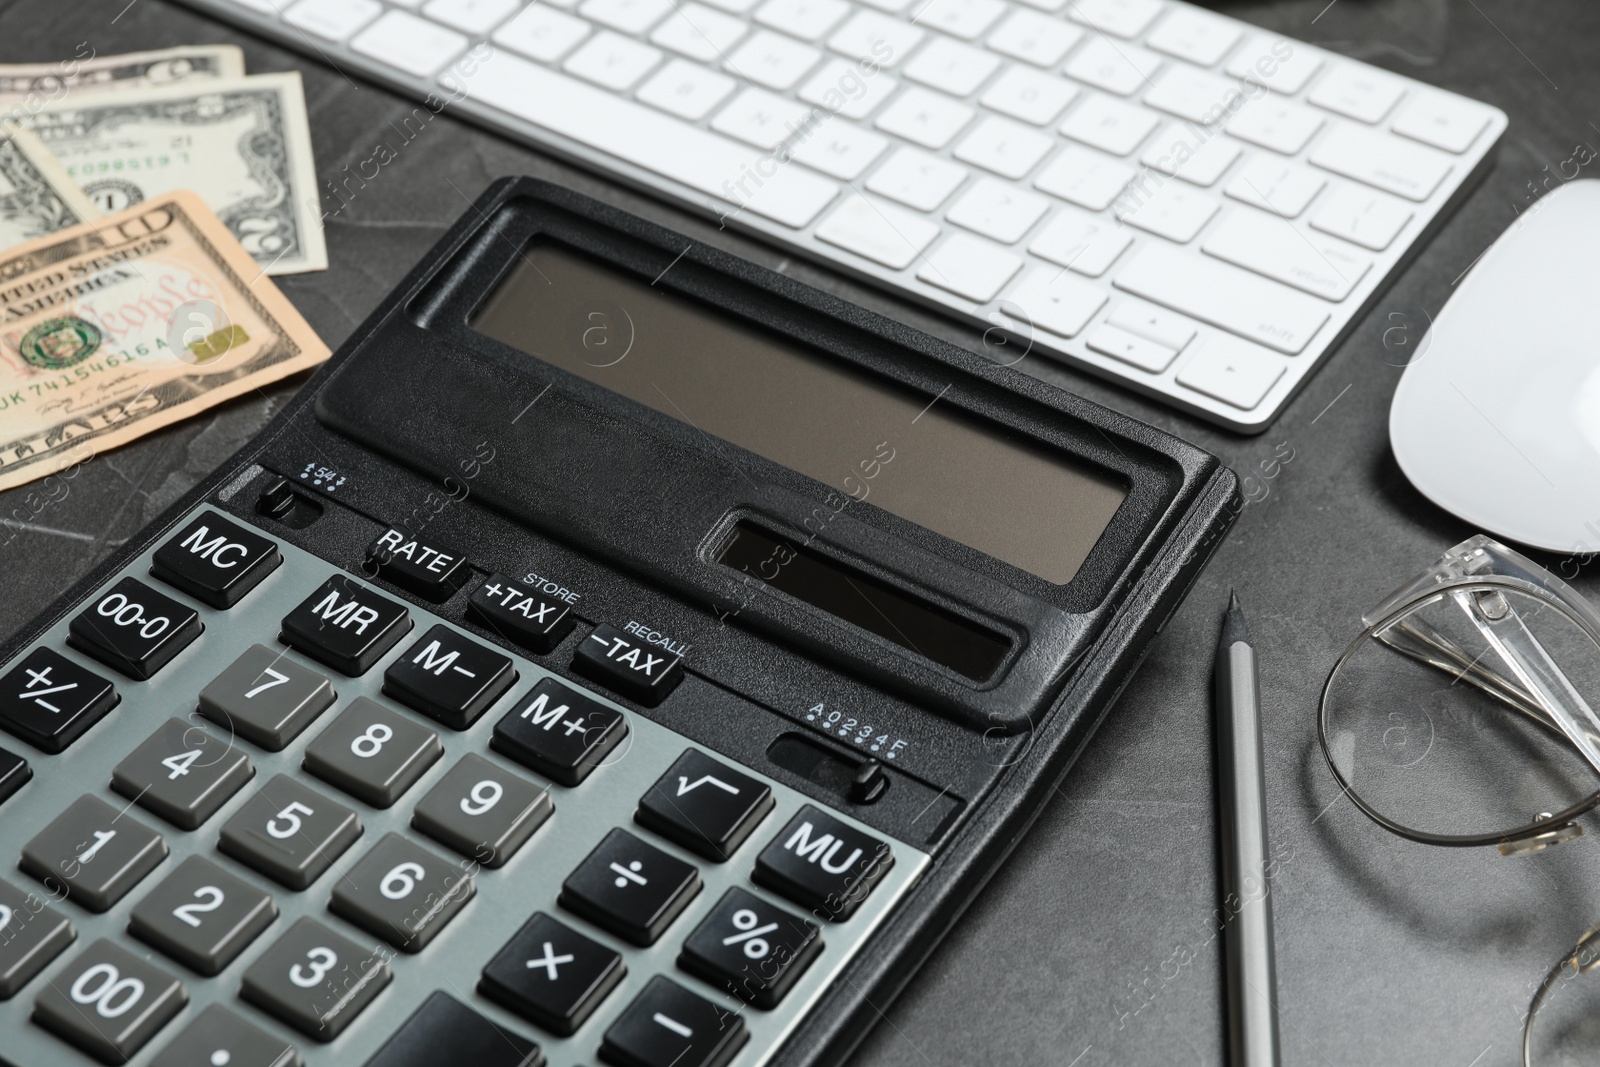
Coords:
202,916
315,980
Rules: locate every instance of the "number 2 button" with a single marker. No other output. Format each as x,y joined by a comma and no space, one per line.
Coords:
315,980
202,916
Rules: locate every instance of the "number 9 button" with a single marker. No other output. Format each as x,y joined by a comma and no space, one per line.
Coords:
315,980
482,811
202,916
373,753
402,893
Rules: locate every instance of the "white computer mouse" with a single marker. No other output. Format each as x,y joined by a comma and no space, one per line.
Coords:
1498,420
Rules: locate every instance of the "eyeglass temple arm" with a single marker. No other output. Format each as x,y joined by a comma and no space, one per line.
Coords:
1579,965
1423,643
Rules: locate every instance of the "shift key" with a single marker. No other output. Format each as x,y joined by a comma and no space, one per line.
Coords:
1235,300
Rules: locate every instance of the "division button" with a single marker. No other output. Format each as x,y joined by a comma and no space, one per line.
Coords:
49,701
429,571
31,936
705,806
559,732
289,833
552,975
109,1002
219,1037
751,949
529,618
134,629
668,1026
448,677
822,864
266,697
483,811
633,889
14,773
402,893
215,561
315,980
445,1031
346,625
182,773
373,753
622,662
94,852
202,916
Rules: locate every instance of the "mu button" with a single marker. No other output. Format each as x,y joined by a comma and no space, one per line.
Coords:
823,864
449,678
346,625
431,572
626,664
215,561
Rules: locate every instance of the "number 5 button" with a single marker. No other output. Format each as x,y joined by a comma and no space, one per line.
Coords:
289,833
401,893
483,812
202,916
315,980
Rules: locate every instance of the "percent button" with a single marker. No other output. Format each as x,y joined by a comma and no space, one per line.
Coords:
752,949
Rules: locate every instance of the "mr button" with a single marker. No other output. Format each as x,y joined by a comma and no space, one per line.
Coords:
346,625
215,561
823,864
426,570
626,664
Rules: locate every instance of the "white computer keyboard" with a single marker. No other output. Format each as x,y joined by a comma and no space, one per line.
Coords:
1143,188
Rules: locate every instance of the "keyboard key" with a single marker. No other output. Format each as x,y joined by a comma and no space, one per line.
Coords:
532,619
1029,95
1086,243
668,1026
1224,296
918,180
49,701
628,663
699,32
1321,266
431,572
182,774
289,832
32,935
315,980
1194,95
1116,68
626,16
1004,147
444,1030
475,17
1120,18
1233,372
1281,125
630,888
410,44
871,36
1275,185
559,732
1279,64
109,1002
842,89
1113,341
1181,152
218,1036
552,975
957,69
541,32
1370,219
1358,91
333,20
970,267
966,19
1056,301
612,62
215,561
1109,125
839,148
1382,161
689,91
775,61
202,916
880,232
266,698
808,20
761,119
1153,324
93,852
1084,177
822,864
14,773
483,811
346,625
134,629
1032,38
1443,121
751,949
373,753
449,678
402,893
925,117
704,805
1171,211
1193,34
998,209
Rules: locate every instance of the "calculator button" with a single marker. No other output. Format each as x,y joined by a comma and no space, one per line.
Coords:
751,949
431,572
445,1031
373,753
109,1002
552,975
95,852
402,893
822,864
266,697
202,916
289,833
14,773
219,1038
346,625
559,732
525,616
49,701
705,806
315,980
633,889
31,935
625,663
668,1026
134,629
182,773
215,561
483,812
448,677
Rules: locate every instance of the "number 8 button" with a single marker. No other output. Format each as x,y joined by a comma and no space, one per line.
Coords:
109,1002
373,753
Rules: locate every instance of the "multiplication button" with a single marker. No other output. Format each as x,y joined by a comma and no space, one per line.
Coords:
559,732
552,975
823,864
536,622
668,1026
109,1002
134,629
630,888
449,678
49,701
705,806
626,664
751,949
215,561
346,625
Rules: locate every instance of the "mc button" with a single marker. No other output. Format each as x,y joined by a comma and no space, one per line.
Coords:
215,561
626,664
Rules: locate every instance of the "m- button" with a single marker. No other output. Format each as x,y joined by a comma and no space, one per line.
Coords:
626,664
346,625
215,561
431,572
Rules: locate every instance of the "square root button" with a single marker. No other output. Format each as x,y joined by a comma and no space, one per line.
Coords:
704,805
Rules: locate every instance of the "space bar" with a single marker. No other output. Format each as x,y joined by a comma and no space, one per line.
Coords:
701,160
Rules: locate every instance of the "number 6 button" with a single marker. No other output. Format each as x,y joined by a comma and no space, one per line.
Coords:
289,833
401,893
202,916
109,1002
315,980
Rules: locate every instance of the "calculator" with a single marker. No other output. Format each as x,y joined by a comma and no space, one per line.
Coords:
617,653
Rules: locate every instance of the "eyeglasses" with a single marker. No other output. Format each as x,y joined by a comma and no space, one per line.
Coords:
1464,715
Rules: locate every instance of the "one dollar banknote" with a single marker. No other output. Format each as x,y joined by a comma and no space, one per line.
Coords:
34,85
115,327
36,196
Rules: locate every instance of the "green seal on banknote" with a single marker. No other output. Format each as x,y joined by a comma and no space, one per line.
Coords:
56,344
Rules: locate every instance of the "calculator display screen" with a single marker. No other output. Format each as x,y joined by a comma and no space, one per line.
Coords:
866,437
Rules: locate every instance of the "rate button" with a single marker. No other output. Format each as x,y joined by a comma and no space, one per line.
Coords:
430,571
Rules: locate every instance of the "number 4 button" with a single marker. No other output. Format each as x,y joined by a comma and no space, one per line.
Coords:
182,773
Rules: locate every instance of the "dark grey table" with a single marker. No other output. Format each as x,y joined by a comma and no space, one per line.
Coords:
1096,943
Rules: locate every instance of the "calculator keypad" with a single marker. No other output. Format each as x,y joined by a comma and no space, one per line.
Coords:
109,1002
134,629
315,980
266,697
552,975
94,852
32,934
402,893
182,773
202,916
373,753
447,677
289,832
346,625
49,701
483,811
633,889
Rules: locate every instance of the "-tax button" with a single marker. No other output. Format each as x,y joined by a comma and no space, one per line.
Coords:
430,571
628,664
215,561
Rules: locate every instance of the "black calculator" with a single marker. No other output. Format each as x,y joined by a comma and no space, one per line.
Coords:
617,653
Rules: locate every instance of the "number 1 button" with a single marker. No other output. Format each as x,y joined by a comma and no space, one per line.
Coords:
315,980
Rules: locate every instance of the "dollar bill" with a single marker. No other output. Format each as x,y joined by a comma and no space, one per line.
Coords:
241,143
45,83
36,196
121,325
